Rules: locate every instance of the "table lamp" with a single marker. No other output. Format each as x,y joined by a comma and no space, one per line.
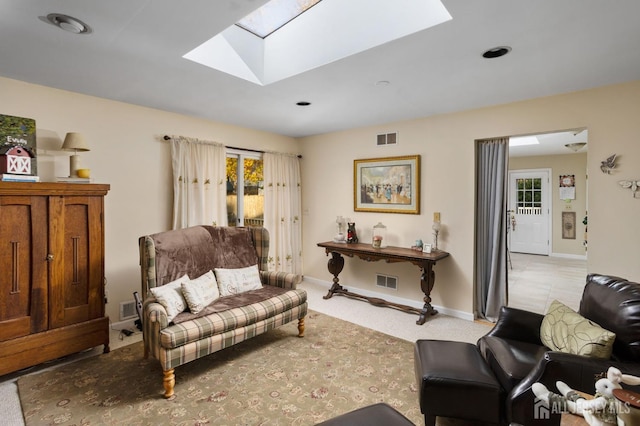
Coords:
74,142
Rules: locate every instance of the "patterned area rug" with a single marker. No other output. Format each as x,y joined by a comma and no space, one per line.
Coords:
272,379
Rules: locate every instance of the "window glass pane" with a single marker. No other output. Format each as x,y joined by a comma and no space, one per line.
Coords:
253,192
245,192
273,15
537,197
232,191
529,184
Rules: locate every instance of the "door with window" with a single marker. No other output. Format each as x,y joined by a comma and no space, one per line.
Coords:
245,189
529,205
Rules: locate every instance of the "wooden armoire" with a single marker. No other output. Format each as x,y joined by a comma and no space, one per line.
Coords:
51,271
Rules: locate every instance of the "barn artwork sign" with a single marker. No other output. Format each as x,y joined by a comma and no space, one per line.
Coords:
18,145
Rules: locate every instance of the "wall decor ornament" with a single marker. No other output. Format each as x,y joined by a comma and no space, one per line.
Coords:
387,185
569,225
633,185
609,164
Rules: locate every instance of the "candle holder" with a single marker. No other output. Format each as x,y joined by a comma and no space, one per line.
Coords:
379,239
436,230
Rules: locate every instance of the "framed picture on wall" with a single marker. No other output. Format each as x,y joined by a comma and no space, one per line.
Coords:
569,225
387,185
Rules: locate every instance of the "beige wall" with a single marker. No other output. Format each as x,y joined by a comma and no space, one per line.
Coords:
128,153
567,164
446,144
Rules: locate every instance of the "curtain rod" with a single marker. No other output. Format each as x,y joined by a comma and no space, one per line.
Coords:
168,138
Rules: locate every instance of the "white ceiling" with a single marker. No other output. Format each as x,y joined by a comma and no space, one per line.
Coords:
135,55
553,143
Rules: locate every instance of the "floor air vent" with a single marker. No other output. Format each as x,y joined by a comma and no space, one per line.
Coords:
128,310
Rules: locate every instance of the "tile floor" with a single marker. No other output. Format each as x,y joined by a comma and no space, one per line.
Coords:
535,281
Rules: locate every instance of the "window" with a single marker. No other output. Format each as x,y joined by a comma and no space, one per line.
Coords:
274,15
529,196
245,189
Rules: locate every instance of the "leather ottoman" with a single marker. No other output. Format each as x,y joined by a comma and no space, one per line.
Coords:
454,381
379,414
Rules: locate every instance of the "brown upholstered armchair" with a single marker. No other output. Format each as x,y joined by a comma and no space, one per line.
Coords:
518,358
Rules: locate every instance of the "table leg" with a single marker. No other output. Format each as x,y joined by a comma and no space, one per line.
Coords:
335,265
427,281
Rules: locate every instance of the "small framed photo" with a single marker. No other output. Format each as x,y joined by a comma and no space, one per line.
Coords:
426,248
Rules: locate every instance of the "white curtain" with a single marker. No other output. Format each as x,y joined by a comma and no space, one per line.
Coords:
199,183
491,227
282,206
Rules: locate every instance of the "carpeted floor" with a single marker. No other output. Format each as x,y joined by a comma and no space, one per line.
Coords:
273,379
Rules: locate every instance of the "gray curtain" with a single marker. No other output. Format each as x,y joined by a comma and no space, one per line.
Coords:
491,227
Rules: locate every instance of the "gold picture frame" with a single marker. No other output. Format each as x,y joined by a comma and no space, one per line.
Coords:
387,185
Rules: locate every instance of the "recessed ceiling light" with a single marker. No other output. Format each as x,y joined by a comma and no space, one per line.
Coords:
303,103
496,52
68,23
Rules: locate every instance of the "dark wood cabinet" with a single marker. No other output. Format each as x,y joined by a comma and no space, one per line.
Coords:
51,271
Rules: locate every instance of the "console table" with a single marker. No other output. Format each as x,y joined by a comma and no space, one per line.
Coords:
425,261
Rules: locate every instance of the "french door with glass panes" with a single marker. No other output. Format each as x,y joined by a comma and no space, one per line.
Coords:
245,189
529,204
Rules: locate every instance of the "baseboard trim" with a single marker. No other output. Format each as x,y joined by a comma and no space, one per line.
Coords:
569,256
394,299
126,324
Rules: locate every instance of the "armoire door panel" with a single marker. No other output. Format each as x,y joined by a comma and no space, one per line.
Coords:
76,255
23,280
79,269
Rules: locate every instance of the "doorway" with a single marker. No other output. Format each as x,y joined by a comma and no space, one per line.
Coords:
535,280
529,211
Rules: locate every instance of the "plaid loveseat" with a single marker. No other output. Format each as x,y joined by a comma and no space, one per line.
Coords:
167,256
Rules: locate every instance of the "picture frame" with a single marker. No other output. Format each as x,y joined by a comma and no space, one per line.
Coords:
387,185
569,225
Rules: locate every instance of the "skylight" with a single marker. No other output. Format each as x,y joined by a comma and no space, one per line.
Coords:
523,140
329,31
274,15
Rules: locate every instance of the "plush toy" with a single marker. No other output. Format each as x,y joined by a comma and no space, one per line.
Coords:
599,411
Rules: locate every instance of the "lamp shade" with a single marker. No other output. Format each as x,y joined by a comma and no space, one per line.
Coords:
74,142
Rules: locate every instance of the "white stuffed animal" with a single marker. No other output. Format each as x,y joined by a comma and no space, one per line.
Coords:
599,411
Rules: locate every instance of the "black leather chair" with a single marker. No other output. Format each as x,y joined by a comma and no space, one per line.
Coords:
517,357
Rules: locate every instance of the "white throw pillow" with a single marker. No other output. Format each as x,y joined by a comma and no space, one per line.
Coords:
200,292
170,296
234,281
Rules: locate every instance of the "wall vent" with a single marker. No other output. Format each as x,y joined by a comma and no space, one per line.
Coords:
128,310
387,281
387,139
